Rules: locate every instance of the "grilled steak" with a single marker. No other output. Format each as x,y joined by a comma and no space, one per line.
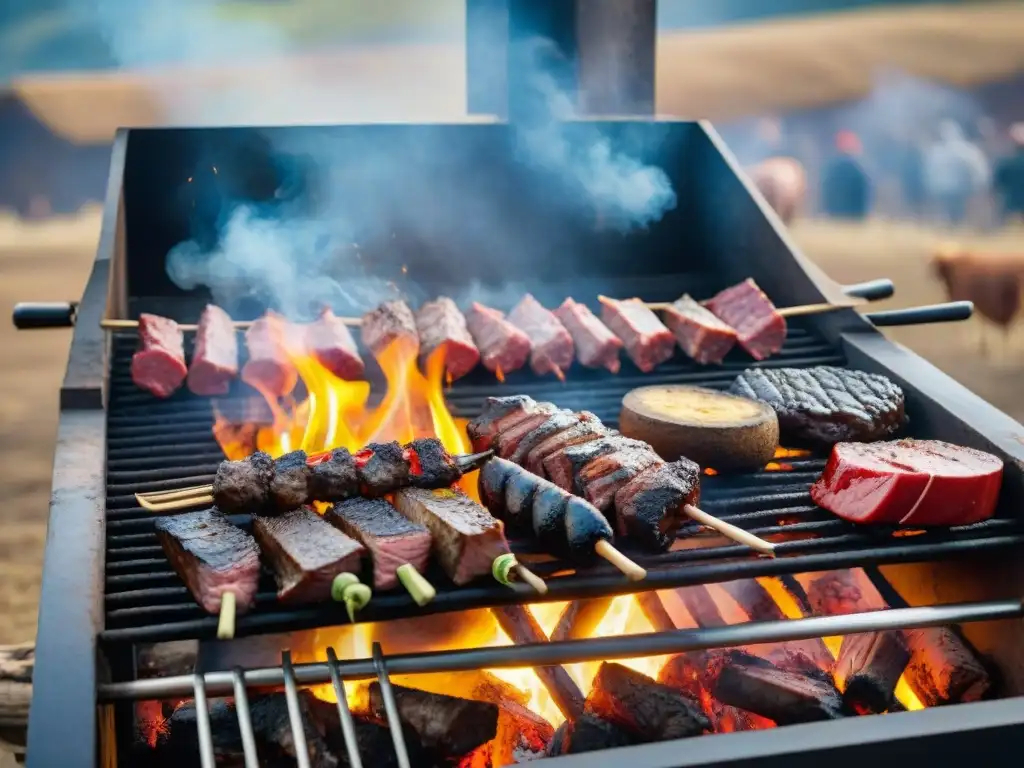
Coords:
586,429
335,478
382,468
596,346
909,482
244,486
563,466
159,365
212,557
552,350
432,466
390,322
289,487
441,324
503,347
466,537
646,339
391,539
826,404
331,342
760,329
501,413
269,369
602,477
650,506
700,334
306,553
215,360
555,423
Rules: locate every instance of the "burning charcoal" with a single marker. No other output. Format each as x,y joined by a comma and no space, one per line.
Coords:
869,666
446,726
269,369
159,365
373,739
588,733
522,735
435,467
334,479
182,736
596,345
785,697
289,487
389,323
552,350
760,329
244,486
691,673
330,341
500,413
212,557
306,553
700,334
441,324
644,708
650,505
382,468
215,360
273,728
503,347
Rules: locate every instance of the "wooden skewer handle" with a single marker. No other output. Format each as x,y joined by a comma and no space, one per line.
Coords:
731,531
633,571
117,325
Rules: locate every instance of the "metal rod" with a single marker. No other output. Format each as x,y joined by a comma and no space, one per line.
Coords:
348,728
244,719
390,707
291,694
206,756
594,649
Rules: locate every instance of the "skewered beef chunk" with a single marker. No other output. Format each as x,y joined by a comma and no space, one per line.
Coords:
305,553
212,557
499,414
760,329
391,539
330,341
909,482
466,537
335,478
700,334
602,478
646,339
642,707
826,404
503,347
868,667
382,468
433,465
391,322
583,431
552,350
556,422
596,346
269,369
650,506
587,733
243,486
563,466
445,725
441,324
788,698
289,487
215,360
159,365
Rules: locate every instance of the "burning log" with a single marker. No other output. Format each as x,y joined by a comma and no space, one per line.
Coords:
522,735
580,618
643,707
787,698
942,668
691,674
373,740
869,666
588,733
522,628
654,611
701,606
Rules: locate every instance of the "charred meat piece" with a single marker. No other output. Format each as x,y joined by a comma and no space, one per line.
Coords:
334,478
868,667
556,422
760,329
909,482
700,334
642,707
244,486
306,553
587,428
508,440
441,325
650,506
587,733
501,413
330,341
646,339
382,468
391,322
563,466
503,347
269,369
159,364
215,360
552,350
445,725
602,478
596,346
391,539
289,487
826,405
431,466
212,557
466,537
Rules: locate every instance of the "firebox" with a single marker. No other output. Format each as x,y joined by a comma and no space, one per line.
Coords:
853,643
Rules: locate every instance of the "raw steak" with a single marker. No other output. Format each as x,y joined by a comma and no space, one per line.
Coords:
215,361
596,345
503,347
648,342
700,334
552,347
441,324
331,342
760,329
159,365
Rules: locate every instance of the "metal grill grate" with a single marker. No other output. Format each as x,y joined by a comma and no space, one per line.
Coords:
162,445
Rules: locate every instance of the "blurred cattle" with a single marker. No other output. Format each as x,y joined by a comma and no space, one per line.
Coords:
783,183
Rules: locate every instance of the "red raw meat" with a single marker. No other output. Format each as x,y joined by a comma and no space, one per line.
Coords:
760,329
909,482
502,346
269,369
648,342
552,345
215,361
391,321
330,340
159,365
440,323
596,346
700,334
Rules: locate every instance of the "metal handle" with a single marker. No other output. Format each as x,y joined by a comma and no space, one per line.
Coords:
933,313
44,314
872,290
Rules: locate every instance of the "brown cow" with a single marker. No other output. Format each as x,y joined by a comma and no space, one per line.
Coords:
783,183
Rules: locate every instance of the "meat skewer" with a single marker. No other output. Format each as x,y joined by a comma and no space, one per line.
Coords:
215,362
442,326
159,365
596,345
269,369
563,523
552,349
111,324
503,347
390,323
330,341
263,485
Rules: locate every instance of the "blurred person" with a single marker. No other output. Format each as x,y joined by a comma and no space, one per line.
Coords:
955,170
783,183
845,185
1008,179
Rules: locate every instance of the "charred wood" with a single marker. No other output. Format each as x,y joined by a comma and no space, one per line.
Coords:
522,735
167,659
701,606
580,618
373,739
654,611
588,733
869,666
691,673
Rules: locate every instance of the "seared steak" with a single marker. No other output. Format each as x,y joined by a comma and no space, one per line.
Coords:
441,325
391,322
330,341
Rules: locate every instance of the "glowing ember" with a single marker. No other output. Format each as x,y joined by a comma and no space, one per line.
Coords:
774,466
